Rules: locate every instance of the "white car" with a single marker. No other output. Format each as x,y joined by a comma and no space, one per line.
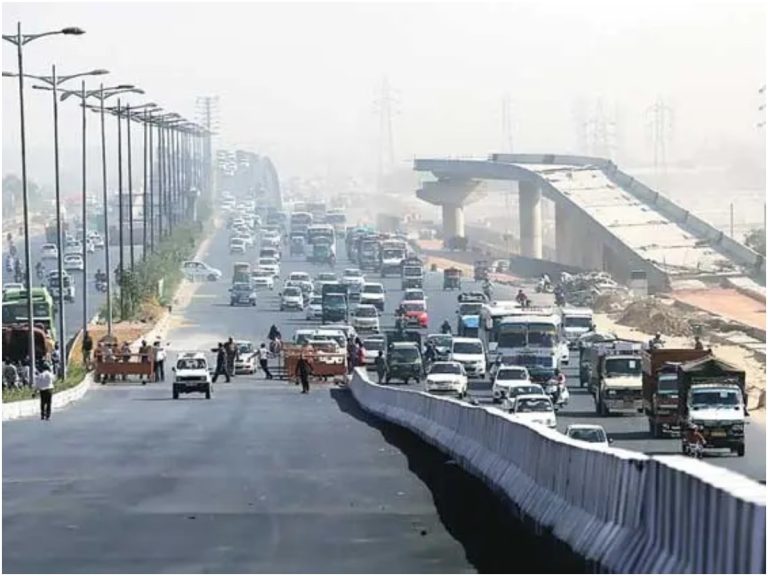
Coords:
592,433
447,377
73,248
97,240
535,409
270,264
89,247
73,262
9,286
372,345
262,279
565,352
416,294
291,298
247,359
237,246
299,277
373,293
315,308
49,252
506,377
470,352
191,375
269,252
353,277
365,318
516,390
67,282
195,270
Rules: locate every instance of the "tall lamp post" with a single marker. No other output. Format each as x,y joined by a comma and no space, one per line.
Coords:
102,94
20,40
53,82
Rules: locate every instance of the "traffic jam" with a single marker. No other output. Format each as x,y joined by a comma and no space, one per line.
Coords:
351,296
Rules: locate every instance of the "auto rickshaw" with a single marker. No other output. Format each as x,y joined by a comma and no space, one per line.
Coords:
451,279
482,270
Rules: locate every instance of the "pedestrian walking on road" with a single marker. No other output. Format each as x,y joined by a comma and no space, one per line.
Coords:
303,370
232,353
264,360
381,367
44,385
159,369
221,363
87,348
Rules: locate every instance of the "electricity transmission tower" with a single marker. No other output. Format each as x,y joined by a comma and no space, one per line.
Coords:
207,108
384,105
660,124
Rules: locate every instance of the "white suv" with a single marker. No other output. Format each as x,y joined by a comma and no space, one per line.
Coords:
470,352
191,374
373,293
447,377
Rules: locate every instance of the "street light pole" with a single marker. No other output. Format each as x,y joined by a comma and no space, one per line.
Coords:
130,182
106,209
144,209
85,224
59,230
120,207
19,40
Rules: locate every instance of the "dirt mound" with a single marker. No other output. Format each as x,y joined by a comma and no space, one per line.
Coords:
651,316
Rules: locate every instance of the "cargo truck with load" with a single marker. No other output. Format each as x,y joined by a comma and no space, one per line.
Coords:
412,273
712,397
335,302
660,388
393,252
615,377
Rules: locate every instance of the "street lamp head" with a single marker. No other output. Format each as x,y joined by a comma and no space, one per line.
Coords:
98,72
73,31
9,74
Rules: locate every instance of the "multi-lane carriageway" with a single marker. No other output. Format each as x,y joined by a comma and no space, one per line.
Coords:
261,478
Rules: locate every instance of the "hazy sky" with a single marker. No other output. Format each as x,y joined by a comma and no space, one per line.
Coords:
298,81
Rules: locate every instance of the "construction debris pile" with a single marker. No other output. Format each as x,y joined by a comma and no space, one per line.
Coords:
596,290
650,315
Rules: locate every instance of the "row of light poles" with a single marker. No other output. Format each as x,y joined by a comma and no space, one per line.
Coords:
173,168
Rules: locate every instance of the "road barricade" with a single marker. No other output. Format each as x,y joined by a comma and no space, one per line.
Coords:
326,361
619,510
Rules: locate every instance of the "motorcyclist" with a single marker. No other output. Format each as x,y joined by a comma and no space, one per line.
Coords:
697,343
40,269
559,295
693,437
487,288
521,298
429,352
656,342
445,328
274,333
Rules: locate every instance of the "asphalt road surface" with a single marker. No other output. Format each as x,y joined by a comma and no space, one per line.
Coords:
73,311
258,479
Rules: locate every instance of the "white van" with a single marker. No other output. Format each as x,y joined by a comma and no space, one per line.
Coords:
471,354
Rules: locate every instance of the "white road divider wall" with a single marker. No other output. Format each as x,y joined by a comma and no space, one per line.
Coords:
623,510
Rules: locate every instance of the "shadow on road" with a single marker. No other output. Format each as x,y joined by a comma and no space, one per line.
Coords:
468,509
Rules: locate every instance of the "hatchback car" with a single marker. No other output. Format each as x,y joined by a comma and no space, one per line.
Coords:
49,252
262,279
291,298
365,318
315,308
195,270
506,377
592,433
73,262
535,409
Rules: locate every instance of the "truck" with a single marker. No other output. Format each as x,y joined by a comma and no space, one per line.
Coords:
393,252
660,388
615,377
321,251
241,272
335,298
412,273
711,395
368,254
576,321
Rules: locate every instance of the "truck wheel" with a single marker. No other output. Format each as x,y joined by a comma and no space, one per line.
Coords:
405,380
175,395
740,450
208,394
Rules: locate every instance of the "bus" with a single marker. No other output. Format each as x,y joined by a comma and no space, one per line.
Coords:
317,231
15,308
338,220
300,221
532,341
491,316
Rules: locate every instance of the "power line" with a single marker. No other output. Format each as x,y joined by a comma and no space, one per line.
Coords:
384,105
660,123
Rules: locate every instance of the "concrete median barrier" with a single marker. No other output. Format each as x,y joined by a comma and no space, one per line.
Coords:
619,510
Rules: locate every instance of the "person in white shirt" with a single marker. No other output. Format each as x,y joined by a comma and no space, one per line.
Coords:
159,361
44,384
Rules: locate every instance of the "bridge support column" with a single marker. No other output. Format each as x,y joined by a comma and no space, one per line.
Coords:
564,237
453,221
530,219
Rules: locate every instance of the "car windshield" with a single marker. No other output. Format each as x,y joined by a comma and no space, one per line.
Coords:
262,274
445,368
511,374
533,405
467,348
521,390
373,289
292,291
191,364
374,344
714,397
622,367
470,309
408,354
244,347
413,306
414,295
267,262
366,312
587,434
441,341
578,322
299,276
316,301
351,272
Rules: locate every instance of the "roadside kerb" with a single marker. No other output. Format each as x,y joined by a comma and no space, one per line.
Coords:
619,510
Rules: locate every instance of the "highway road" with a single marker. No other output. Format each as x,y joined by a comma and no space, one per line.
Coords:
258,479
73,311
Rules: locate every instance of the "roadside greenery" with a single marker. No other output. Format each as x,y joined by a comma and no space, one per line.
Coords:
75,375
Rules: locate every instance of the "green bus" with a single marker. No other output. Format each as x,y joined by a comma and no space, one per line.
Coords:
15,308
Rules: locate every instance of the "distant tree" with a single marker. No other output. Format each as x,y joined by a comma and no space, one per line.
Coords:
756,240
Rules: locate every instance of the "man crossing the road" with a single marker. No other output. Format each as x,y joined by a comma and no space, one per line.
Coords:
221,363
264,360
303,370
44,385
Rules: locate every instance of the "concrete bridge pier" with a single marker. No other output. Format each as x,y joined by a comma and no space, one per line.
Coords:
530,219
452,194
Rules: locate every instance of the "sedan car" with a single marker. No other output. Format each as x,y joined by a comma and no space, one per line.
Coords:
354,278
535,409
247,359
262,279
237,246
447,377
365,318
415,313
291,298
506,377
195,270
592,433
270,264
49,252
315,308
73,262
372,345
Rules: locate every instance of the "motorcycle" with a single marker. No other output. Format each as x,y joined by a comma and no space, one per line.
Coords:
544,287
557,392
694,450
